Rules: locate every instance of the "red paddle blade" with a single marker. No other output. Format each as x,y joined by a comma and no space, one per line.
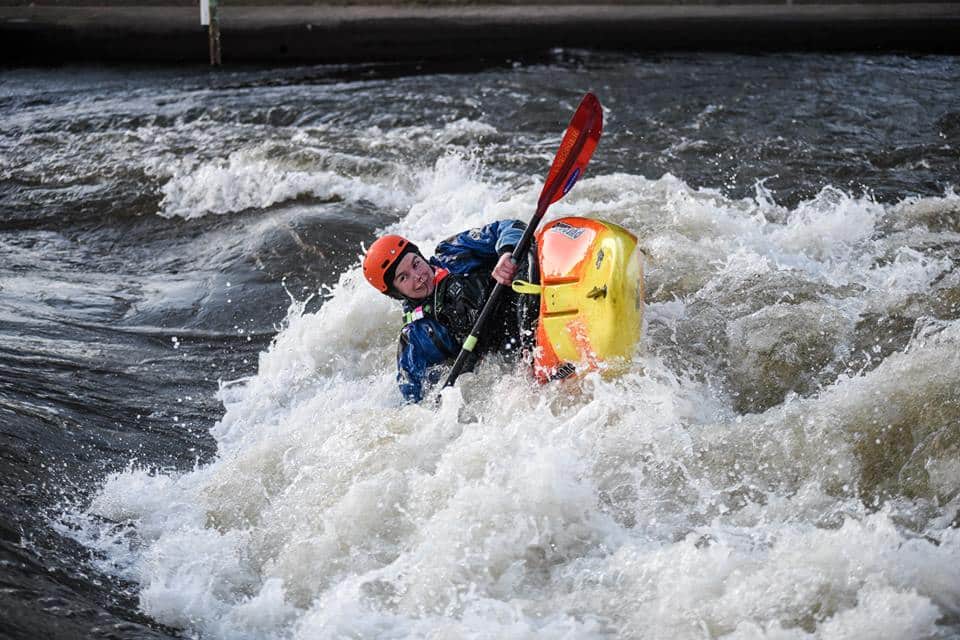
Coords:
576,148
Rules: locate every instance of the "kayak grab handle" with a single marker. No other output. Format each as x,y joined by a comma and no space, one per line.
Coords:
522,286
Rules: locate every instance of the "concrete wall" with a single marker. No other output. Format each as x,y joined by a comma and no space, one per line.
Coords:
462,33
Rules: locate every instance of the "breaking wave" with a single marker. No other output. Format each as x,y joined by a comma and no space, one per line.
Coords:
780,460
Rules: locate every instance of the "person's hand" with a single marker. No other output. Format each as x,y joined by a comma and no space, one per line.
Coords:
505,270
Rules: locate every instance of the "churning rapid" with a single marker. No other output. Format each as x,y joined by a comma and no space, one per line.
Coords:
202,434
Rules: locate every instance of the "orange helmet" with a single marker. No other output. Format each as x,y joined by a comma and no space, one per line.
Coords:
381,260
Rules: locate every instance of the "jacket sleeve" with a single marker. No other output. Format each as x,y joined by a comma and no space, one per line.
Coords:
488,241
424,344
509,233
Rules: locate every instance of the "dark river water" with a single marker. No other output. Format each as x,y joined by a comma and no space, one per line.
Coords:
200,431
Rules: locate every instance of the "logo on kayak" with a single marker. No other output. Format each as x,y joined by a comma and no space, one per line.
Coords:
565,229
572,180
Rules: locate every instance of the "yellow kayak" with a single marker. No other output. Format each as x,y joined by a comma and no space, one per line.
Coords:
591,295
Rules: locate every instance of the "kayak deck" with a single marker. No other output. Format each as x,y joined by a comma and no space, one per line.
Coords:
591,295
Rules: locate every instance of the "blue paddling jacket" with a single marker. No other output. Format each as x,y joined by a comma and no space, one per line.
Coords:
435,327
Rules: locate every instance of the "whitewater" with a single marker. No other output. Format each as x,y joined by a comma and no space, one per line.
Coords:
760,488
780,459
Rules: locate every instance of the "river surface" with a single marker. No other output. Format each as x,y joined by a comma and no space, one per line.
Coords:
200,431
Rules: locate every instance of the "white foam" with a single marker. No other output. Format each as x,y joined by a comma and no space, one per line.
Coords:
462,131
640,505
248,180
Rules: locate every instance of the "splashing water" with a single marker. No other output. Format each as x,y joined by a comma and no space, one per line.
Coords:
778,460
749,477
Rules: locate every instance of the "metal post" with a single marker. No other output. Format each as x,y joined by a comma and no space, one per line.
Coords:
214,31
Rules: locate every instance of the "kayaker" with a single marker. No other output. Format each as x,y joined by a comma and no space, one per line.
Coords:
443,295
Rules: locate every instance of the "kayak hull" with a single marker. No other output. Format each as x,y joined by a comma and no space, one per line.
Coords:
591,296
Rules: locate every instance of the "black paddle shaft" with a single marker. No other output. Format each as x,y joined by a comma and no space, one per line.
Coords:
558,183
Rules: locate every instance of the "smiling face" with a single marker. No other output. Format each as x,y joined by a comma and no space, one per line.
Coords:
413,277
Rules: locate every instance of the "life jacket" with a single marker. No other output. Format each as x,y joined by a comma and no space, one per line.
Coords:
457,301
